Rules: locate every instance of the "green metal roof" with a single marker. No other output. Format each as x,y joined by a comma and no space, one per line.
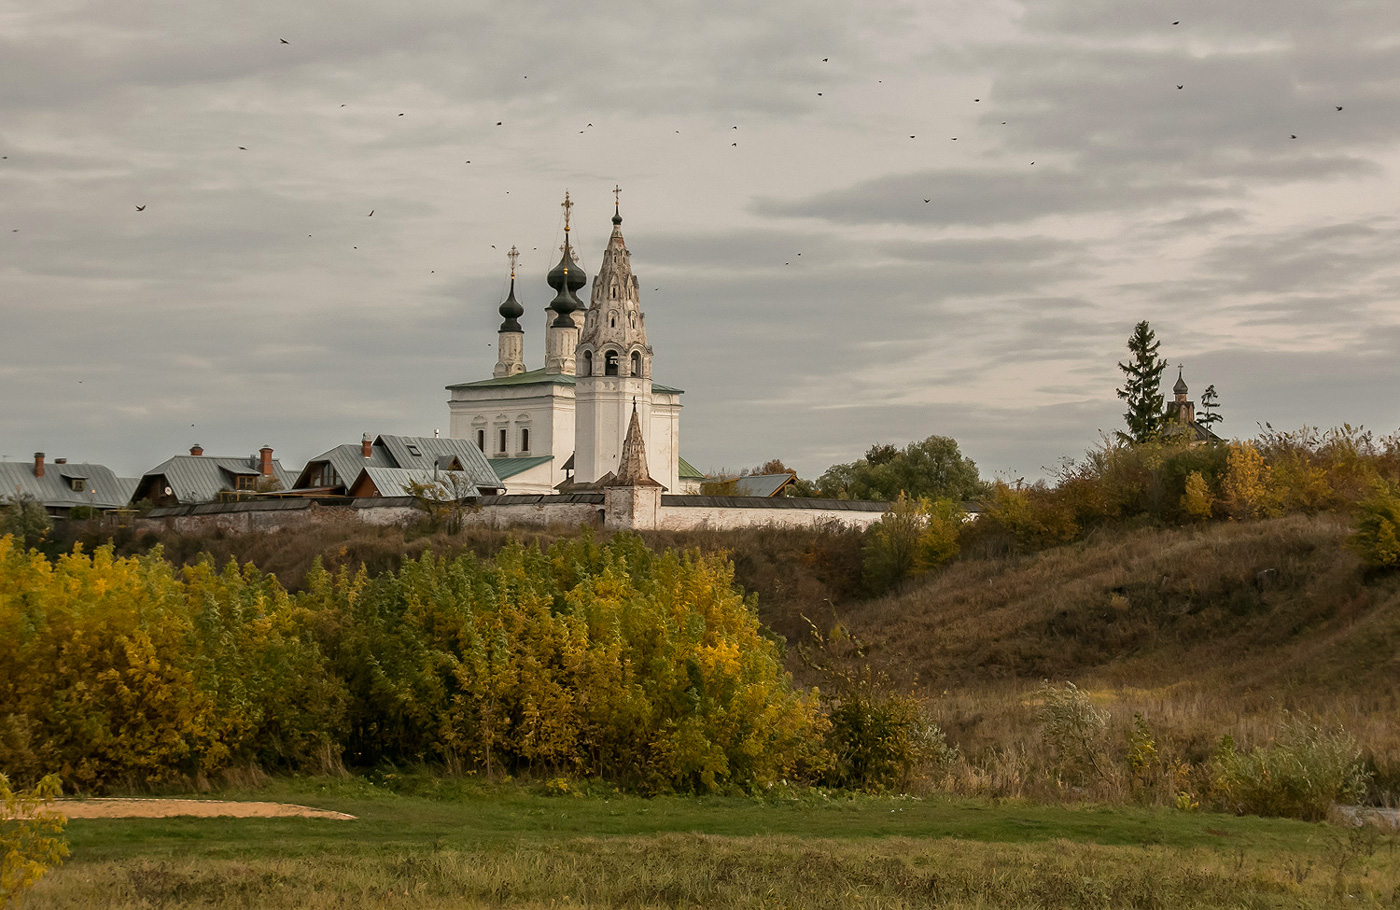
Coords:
532,377
509,467
687,470
540,377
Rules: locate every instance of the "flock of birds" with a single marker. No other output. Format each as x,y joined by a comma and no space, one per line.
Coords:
1180,86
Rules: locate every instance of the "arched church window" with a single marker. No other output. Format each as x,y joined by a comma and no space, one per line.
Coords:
588,363
636,363
612,321
481,440
610,364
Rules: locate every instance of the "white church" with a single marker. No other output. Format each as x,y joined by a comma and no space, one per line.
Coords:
562,427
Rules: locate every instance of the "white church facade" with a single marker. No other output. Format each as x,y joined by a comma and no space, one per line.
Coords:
561,427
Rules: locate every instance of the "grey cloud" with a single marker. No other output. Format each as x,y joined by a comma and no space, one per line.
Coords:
981,197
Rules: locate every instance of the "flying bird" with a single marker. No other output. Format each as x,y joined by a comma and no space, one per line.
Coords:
1177,22
1292,135
928,200
825,59
400,115
819,94
498,122
1179,86
140,208
284,40
371,214
1339,107
976,99
243,148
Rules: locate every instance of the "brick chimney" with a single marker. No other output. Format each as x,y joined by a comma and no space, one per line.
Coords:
60,461
265,461
196,449
38,464
366,446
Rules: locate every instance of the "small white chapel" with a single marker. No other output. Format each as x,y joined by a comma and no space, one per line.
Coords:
561,428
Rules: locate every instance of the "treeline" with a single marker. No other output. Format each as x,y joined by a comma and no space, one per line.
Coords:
592,659
1162,481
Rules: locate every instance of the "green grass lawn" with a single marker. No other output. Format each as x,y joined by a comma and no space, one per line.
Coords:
423,842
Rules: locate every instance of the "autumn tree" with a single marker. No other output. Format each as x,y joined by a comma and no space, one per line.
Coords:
1142,385
931,468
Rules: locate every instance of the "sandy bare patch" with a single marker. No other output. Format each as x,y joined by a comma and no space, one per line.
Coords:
199,808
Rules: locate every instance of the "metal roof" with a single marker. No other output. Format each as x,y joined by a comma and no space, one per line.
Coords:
780,502
762,484
396,481
347,461
201,478
530,377
509,467
422,453
687,470
425,452
101,488
534,377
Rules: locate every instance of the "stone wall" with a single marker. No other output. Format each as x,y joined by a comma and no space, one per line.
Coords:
676,513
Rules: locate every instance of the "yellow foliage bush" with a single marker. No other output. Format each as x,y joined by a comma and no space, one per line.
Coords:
31,840
601,660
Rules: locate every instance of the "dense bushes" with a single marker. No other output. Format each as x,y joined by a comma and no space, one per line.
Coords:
914,536
1171,482
1299,775
597,659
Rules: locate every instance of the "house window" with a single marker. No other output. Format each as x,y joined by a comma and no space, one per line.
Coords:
610,364
244,482
503,441
636,363
413,450
324,476
524,439
77,484
481,440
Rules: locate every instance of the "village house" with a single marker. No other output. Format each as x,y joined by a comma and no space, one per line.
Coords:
196,477
61,487
391,465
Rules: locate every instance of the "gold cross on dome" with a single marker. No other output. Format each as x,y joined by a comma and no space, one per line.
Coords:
617,196
566,205
513,255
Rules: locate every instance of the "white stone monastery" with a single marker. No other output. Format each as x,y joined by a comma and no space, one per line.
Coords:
562,427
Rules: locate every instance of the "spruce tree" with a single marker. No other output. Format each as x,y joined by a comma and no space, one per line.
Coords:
1142,388
1210,408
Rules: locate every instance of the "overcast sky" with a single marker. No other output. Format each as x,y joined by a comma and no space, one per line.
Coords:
852,222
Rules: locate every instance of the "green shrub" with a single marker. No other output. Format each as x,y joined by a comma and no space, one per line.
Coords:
1298,775
1073,729
25,518
31,839
914,536
1376,538
881,740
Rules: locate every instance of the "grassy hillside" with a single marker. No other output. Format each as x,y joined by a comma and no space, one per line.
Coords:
1278,605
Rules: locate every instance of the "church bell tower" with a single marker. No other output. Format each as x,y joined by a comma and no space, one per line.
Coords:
613,363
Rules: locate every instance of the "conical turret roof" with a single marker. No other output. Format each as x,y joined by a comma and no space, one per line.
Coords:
632,472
